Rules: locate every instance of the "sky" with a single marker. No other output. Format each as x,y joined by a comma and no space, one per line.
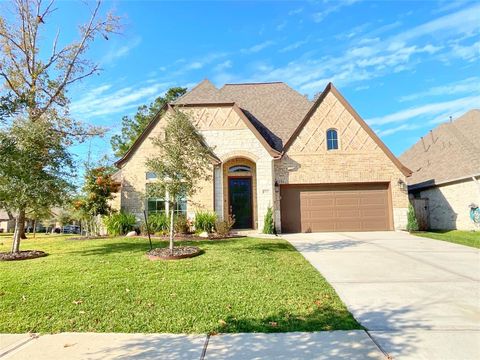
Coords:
405,66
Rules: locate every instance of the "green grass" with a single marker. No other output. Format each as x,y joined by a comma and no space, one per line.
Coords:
239,285
468,238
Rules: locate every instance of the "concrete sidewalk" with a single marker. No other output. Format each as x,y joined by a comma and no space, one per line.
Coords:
419,298
72,346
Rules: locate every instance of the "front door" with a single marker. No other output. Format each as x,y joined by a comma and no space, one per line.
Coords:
240,202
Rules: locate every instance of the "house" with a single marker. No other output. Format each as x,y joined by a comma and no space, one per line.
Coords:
6,224
446,173
317,164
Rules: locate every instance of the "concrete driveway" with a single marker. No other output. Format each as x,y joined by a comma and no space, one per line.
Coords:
419,298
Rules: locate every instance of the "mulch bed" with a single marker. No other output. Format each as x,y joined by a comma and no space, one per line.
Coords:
195,237
22,255
179,252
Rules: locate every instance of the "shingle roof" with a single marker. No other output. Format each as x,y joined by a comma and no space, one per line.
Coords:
449,152
275,109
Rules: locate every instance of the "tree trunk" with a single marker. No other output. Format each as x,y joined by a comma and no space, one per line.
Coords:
171,232
19,230
34,227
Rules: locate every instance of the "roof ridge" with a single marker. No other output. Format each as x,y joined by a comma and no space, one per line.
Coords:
204,81
255,83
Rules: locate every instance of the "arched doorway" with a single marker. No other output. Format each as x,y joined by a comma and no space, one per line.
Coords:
239,179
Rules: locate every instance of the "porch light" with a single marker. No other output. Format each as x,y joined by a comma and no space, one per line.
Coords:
402,185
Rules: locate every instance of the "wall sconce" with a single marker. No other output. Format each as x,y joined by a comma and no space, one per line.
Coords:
277,187
402,185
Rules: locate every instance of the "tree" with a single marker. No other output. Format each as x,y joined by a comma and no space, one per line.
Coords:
33,172
182,162
40,133
98,190
133,127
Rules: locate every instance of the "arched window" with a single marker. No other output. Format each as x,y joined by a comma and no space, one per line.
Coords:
332,139
239,168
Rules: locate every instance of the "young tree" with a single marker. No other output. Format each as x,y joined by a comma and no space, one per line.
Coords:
133,127
182,162
38,137
98,190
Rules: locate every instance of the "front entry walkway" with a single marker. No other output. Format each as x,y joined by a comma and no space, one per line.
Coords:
418,298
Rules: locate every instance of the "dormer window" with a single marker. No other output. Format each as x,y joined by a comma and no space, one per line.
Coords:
332,139
239,168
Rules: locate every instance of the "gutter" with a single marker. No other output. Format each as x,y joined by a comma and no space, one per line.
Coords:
433,183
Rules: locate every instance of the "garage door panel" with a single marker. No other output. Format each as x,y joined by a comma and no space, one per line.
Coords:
348,214
352,207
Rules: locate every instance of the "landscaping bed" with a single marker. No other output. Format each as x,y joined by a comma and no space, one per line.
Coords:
194,237
109,285
179,252
22,255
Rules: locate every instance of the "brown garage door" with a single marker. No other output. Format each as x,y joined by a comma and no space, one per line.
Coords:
337,207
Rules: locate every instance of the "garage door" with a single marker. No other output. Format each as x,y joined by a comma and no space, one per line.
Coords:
337,207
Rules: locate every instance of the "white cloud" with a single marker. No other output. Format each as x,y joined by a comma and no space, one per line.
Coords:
224,65
293,46
258,47
295,11
119,52
100,102
334,7
467,52
394,130
375,57
464,21
281,26
470,85
428,111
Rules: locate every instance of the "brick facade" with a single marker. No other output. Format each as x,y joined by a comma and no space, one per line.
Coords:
358,159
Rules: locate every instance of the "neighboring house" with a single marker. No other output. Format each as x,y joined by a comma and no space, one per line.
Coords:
6,225
317,164
446,173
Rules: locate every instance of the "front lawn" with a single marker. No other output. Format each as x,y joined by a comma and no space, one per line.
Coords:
468,238
239,285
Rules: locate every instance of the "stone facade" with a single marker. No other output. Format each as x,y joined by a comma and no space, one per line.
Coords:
358,158
448,205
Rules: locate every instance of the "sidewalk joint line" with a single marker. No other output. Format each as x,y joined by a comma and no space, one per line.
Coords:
387,355
18,346
204,350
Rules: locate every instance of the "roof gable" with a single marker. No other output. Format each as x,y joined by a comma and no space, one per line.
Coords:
330,100
447,153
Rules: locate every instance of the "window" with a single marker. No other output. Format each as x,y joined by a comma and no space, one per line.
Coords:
150,175
156,205
239,168
332,139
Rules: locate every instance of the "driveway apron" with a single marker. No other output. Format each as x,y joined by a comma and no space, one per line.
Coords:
419,298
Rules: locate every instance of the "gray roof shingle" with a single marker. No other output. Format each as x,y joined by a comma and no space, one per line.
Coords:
275,109
449,152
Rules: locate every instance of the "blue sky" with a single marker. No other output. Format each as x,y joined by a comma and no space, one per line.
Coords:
404,66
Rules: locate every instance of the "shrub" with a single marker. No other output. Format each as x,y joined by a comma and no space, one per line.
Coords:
223,227
181,225
205,221
158,222
268,226
412,223
119,223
